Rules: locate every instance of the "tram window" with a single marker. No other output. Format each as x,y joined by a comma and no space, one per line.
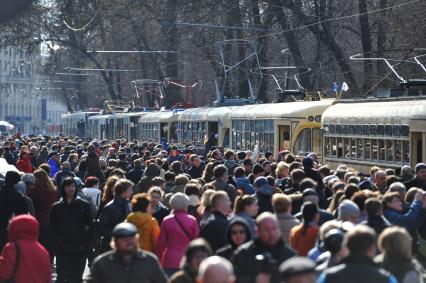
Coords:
339,129
339,145
326,129
252,126
396,130
374,150
358,130
352,130
388,130
397,151
345,129
303,142
406,151
346,148
360,146
332,129
389,151
333,146
316,140
327,146
367,149
404,131
353,148
382,150
366,130
380,130
373,130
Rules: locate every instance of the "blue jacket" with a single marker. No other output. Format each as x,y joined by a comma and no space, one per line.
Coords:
244,184
54,167
407,220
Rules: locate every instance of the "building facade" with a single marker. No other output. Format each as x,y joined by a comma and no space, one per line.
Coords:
27,100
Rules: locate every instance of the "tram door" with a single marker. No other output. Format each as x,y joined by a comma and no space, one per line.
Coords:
417,147
284,137
213,129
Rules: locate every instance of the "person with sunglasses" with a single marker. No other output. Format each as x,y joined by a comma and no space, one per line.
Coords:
238,233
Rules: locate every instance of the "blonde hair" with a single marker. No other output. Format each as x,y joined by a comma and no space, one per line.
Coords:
395,242
280,167
42,179
281,203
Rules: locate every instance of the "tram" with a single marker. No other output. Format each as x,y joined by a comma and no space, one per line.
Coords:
6,128
293,126
157,126
388,133
195,126
75,124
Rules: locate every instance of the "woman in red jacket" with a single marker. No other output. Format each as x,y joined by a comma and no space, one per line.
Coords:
31,263
24,162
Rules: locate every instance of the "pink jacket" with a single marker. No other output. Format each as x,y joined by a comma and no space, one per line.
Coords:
172,242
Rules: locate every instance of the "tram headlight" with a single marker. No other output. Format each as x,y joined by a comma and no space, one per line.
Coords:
311,118
318,118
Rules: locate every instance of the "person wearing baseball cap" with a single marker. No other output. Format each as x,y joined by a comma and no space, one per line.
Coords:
126,263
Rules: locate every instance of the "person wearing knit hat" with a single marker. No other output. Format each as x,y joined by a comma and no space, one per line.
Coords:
348,211
258,171
264,193
419,180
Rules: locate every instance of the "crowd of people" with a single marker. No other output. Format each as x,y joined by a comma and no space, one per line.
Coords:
136,211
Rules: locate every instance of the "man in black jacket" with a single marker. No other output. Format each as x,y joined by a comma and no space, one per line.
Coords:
269,246
115,211
359,265
419,180
70,223
136,173
213,230
195,169
126,263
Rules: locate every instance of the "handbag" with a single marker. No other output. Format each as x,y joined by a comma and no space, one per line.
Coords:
183,228
15,268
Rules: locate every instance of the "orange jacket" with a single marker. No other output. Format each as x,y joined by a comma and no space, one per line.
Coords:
303,240
148,229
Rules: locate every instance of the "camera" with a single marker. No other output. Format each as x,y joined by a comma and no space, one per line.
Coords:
265,263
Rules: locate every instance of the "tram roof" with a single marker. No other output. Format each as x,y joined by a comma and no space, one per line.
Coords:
7,124
98,117
79,114
157,117
205,113
389,112
298,109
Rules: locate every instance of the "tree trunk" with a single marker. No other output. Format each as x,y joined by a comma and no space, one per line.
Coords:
366,43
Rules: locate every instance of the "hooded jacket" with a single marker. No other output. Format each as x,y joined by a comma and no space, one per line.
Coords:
148,229
70,225
33,262
228,250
